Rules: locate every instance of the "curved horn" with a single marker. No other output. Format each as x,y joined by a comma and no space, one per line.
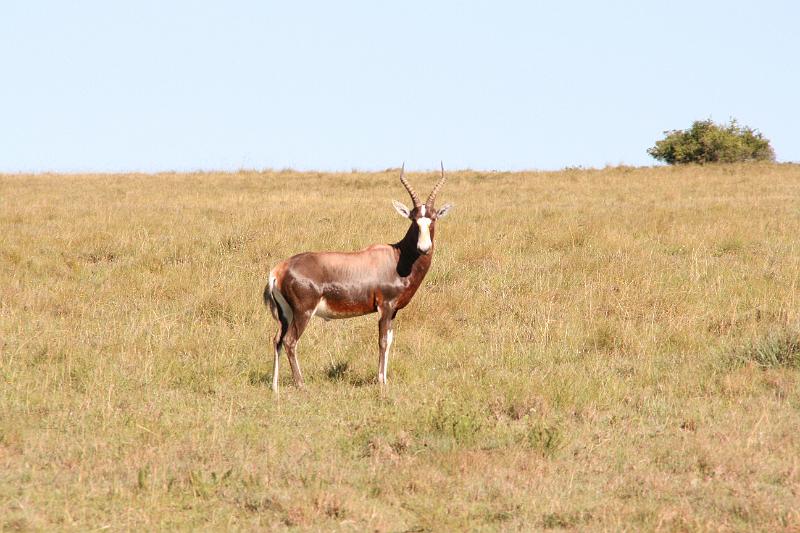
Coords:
409,188
435,191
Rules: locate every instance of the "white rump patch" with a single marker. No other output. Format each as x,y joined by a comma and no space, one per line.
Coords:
286,309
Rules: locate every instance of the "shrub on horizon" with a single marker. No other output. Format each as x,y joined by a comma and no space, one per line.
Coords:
707,142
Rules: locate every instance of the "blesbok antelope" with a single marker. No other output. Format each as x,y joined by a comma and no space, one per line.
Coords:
381,278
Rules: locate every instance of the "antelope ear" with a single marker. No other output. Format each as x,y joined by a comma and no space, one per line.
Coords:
402,209
442,212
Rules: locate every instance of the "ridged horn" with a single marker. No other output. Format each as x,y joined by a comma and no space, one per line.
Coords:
435,191
409,188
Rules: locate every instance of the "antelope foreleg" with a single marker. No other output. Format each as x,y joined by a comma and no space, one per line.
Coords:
385,337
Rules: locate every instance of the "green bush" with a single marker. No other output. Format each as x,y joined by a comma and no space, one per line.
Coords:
706,142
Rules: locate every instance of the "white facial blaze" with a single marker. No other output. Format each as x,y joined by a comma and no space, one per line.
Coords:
424,241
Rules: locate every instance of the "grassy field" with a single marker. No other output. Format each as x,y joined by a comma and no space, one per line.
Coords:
612,349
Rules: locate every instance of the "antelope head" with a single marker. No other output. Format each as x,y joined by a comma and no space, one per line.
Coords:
423,216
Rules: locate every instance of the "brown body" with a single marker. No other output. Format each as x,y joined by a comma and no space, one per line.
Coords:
350,284
381,278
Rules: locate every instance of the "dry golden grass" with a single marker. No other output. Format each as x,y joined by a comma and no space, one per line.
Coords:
595,350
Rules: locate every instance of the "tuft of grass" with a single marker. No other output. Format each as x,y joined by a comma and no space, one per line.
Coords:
729,246
545,438
558,520
337,371
777,348
456,422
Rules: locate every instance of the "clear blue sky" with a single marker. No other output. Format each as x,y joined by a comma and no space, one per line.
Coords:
183,85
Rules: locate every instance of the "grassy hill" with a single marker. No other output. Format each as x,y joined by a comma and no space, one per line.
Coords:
592,349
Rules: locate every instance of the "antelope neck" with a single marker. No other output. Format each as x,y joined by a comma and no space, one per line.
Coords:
410,259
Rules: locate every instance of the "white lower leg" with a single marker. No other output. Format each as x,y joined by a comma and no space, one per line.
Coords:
385,369
275,372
